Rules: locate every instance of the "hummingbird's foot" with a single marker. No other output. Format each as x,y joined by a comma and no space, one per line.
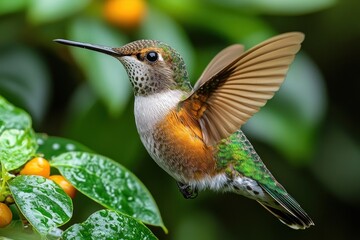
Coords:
187,191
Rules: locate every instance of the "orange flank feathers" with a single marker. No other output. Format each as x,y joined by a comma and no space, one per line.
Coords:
182,135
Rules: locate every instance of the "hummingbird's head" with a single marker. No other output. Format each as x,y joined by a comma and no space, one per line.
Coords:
152,66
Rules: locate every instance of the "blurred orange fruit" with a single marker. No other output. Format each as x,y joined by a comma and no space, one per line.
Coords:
5,215
37,166
64,184
125,13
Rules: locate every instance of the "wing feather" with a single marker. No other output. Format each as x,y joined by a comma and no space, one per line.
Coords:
220,61
235,85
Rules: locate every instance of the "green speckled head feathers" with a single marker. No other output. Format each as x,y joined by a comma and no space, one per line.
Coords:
153,67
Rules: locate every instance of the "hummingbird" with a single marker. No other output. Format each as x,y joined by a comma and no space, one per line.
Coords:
193,133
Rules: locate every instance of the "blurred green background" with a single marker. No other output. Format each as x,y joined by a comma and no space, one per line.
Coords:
308,135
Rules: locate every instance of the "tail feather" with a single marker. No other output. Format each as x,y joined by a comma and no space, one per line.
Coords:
288,211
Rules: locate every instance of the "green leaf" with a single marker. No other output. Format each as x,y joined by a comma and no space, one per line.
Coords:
12,117
17,139
53,146
44,11
15,230
16,147
202,15
12,6
106,75
291,7
24,80
278,6
43,203
106,224
109,184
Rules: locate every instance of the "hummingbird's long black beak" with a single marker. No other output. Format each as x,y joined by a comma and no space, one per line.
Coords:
97,48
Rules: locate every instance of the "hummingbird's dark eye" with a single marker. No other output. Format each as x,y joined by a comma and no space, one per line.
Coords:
152,56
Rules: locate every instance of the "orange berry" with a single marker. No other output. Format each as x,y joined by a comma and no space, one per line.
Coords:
125,13
37,166
5,215
64,184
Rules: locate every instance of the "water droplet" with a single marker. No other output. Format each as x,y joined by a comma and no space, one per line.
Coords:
40,179
103,213
70,147
56,146
40,141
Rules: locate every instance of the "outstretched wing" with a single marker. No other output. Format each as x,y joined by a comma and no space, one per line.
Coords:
234,87
219,62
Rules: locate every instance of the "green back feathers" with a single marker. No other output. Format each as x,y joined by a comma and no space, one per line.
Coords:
237,156
178,67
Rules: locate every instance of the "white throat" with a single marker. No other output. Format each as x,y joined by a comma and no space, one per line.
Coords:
149,110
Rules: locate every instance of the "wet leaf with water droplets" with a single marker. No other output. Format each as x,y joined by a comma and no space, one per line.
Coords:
107,224
52,146
12,117
17,146
17,139
109,184
43,203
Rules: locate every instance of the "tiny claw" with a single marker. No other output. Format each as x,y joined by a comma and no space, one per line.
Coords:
187,191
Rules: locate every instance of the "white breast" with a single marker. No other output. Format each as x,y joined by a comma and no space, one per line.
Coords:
151,109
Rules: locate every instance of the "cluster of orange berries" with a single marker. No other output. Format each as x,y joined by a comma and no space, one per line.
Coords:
41,167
